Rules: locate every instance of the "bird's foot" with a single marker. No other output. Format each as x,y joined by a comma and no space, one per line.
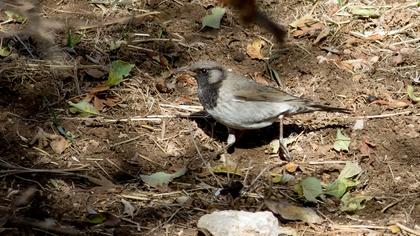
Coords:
283,152
225,150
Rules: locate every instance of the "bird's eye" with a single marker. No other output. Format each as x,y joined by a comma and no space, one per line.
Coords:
203,70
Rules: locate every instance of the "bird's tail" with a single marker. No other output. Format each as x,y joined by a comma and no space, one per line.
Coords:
311,106
279,31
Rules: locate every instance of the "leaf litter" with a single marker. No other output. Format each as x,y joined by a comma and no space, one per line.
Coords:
362,66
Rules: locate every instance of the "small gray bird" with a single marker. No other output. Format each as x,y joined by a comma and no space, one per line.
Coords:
240,103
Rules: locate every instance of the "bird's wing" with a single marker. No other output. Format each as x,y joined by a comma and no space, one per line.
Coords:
249,90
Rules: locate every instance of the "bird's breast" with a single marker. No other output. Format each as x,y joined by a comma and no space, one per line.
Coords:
239,114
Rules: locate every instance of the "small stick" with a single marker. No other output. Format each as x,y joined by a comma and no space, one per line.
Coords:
358,227
407,41
391,205
322,162
405,228
121,21
154,39
148,159
384,115
126,141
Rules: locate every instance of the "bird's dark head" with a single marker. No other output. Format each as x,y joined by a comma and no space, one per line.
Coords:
209,76
206,72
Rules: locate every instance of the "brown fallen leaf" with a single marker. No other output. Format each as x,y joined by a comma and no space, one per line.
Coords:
111,102
96,73
99,88
186,79
375,37
310,31
304,21
291,167
397,60
392,103
364,149
254,49
260,78
59,144
98,103
322,35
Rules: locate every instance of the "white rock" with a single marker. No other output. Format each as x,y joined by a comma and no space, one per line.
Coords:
240,223
360,124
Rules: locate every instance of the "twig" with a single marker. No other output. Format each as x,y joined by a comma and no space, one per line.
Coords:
385,115
406,42
142,48
126,141
148,159
121,21
100,119
405,228
322,162
391,205
202,159
358,227
154,39
183,107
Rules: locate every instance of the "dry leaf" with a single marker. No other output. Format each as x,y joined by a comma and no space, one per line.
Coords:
98,103
398,60
291,167
323,34
99,88
59,144
303,22
392,103
95,73
291,212
260,78
365,149
186,79
111,102
254,49
172,149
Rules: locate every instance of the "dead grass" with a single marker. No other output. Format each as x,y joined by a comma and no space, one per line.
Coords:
337,57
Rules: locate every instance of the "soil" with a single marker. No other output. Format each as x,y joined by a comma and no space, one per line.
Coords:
107,154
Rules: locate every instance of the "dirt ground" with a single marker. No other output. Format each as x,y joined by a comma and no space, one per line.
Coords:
143,126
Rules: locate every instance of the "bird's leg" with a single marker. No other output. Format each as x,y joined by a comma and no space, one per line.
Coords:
231,138
283,149
230,141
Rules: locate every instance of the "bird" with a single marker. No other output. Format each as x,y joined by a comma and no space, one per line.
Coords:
240,103
250,13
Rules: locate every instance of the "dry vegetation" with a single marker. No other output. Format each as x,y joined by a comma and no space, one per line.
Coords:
64,173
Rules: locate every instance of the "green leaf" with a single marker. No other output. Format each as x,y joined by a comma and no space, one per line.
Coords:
353,202
311,188
13,16
351,169
365,12
96,218
342,142
339,187
162,179
213,20
73,39
119,69
410,92
83,107
5,51
282,179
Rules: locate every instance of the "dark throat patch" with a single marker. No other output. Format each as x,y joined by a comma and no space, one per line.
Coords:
209,92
